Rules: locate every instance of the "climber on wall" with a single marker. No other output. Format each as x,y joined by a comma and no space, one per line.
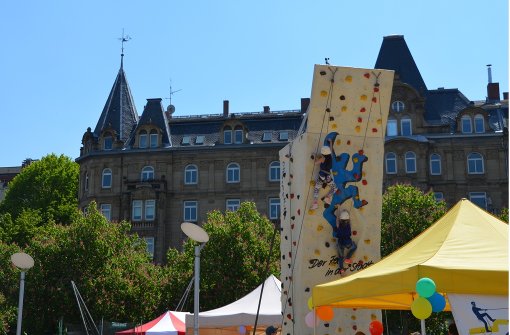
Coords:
324,177
342,232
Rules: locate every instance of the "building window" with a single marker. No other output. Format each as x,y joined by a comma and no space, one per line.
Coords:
186,140
479,124
107,142
200,139
86,183
274,208
391,163
479,199
284,136
190,211
238,135
466,125
475,163
397,106
153,139
142,139
147,173
435,164
106,180
227,135
137,210
274,171
150,245
191,175
391,128
150,210
233,205
267,137
439,196
106,210
233,173
406,127
410,162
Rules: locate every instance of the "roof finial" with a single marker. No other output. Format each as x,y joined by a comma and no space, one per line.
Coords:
123,39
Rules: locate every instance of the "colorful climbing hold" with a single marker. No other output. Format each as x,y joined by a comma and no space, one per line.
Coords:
324,94
357,129
348,79
360,120
363,97
366,75
367,241
374,99
363,110
344,109
374,130
376,89
364,182
379,121
342,97
320,227
334,126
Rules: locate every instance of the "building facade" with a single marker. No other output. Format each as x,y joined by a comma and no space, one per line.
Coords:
158,170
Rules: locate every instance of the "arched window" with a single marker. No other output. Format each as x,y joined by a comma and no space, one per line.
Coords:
142,139
410,162
479,124
406,128
233,173
466,126
153,138
191,175
475,163
227,135
397,106
391,163
147,173
435,164
274,171
106,180
238,135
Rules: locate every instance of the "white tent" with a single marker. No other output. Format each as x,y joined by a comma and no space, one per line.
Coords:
241,313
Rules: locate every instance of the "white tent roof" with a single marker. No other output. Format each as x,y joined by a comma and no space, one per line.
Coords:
243,311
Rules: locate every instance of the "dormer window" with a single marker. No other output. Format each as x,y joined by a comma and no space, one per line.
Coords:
238,135
185,140
142,139
406,127
108,142
267,137
153,139
479,124
227,135
397,106
200,140
284,136
466,126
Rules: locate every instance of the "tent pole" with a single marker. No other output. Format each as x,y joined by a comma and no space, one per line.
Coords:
422,327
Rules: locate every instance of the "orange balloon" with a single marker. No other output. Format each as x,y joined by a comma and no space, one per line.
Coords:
325,313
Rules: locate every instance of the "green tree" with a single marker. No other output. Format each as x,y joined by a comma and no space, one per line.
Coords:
49,186
406,212
232,263
111,268
503,216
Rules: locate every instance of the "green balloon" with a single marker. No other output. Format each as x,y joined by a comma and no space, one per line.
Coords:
421,308
425,287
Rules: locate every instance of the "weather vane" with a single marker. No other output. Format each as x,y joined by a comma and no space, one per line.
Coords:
123,39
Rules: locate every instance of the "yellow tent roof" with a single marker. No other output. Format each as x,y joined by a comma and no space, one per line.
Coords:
465,252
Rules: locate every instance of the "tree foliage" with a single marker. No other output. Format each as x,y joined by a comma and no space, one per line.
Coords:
49,186
503,216
232,262
406,212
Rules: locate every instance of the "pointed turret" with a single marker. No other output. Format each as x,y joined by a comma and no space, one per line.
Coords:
153,116
119,112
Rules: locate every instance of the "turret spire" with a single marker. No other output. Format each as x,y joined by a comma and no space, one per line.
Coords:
123,39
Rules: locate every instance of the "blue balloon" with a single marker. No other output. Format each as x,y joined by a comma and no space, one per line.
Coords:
425,287
437,301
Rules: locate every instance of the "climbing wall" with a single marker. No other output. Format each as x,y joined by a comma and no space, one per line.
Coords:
348,106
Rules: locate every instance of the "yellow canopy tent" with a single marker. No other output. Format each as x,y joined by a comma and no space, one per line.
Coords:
464,252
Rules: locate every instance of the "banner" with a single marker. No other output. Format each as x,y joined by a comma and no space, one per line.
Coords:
480,314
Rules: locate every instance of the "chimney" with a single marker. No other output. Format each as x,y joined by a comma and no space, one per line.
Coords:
305,102
225,108
266,110
489,72
505,95
493,91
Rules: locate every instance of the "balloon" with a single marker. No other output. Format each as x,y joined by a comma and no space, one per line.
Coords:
310,319
325,313
425,287
242,330
310,305
376,327
437,301
421,308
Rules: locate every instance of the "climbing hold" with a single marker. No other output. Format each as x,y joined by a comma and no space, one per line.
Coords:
374,130
344,109
361,153
363,110
367,241
349,142
357,129
374,99
379,121
307,289
328,110
294,243
354,232
353,317
360,120
291,176
320,228
363,97
331,118
342,97
327,244
323,73
364,182
376,89
324,94
316,252
292,226
286,195
289,316
298,212
365,257
286,237
298,196
364,202
283,256
292,195
311,211
348,79
338,142
334,126
326,325
354,327
292,217
366,75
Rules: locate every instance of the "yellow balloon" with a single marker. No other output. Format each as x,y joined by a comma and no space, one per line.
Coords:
421,308
310,305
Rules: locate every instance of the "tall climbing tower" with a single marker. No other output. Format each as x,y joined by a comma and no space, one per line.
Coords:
347,118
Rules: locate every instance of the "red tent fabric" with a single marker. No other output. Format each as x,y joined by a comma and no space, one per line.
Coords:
169,323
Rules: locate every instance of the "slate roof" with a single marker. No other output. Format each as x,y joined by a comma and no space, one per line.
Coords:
119,111
442,105
153,114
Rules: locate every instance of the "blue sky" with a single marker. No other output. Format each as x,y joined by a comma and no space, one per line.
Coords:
59,59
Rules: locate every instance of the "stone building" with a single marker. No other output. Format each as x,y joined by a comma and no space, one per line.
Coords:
158,170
